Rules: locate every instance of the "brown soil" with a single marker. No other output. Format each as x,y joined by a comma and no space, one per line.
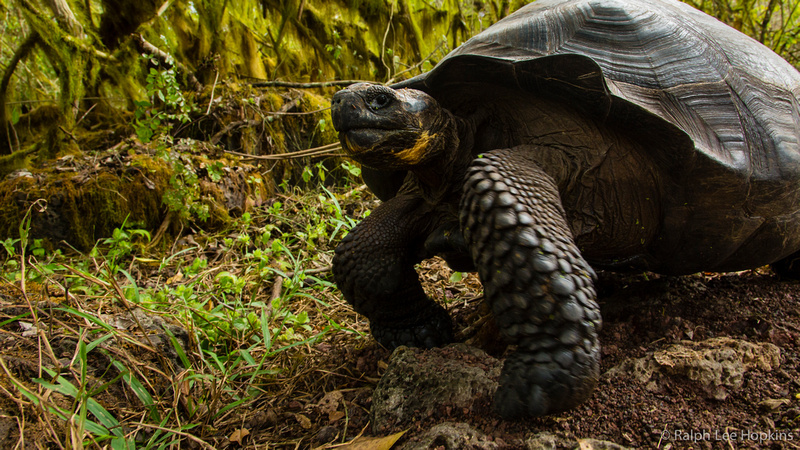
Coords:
325,399
641,314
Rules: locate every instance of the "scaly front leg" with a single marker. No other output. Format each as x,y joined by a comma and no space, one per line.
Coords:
374,268
539,287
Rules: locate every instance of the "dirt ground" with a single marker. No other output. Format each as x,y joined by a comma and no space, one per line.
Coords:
641,314
327,399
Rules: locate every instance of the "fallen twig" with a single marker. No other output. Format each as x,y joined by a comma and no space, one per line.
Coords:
325,150
290,84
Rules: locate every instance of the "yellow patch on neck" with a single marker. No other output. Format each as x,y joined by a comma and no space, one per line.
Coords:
417,152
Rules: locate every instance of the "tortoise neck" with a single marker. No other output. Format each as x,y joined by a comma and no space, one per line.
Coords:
438,177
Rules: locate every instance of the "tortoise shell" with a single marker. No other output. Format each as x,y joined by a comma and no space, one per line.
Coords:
715,111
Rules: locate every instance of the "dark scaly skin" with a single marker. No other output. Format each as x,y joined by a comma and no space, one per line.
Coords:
374,268
536,282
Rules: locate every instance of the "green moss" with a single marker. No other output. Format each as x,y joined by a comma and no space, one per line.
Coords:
87,205
323,133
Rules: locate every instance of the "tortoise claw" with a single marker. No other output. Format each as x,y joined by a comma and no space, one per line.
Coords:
434,329
530,385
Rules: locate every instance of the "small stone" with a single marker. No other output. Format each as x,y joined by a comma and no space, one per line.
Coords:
500,187
524,275
580,297
544,307
327,434
547,246
520,300
502,277
501,248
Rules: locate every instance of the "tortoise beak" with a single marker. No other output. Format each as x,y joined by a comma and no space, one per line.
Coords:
381,127
361,125
346,108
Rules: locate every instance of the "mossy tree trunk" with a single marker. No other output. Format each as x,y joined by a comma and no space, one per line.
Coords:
8,140
286,40
62,43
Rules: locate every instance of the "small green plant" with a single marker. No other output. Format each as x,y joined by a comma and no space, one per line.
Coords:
352,169
165,103
120,244
154,118
184,196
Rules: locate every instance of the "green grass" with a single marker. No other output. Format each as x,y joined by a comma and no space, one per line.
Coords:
135,349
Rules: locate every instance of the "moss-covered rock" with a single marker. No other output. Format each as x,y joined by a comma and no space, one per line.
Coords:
76,201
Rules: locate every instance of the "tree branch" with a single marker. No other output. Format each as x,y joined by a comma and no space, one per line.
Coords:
289,84
161,55
27,45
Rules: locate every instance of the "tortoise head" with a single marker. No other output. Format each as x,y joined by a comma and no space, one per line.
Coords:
384,128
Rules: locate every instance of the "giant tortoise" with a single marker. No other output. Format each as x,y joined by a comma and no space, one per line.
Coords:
571,135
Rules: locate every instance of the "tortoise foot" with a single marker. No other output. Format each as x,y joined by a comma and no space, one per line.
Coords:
788,268
432,329
544,382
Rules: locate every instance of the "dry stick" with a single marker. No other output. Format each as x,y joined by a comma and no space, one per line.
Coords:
417,65
84,115
163,56
211,100
319,84
150,348
121,295
284,111
179,433
39,404
296,113
472,329
163,8
232,126
312,271
276,290
316,151
161,230
383,44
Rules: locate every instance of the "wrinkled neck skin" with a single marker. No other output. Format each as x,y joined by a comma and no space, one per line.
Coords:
441,176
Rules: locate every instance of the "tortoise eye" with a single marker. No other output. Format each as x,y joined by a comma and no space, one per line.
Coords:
380,101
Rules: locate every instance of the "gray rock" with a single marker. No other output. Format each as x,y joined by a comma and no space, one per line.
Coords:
718,364
452,436
549,441
453,381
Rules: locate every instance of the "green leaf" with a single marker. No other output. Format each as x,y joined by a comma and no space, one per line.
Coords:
90,346
178,349
139,390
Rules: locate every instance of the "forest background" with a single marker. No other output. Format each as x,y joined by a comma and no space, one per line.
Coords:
177,158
